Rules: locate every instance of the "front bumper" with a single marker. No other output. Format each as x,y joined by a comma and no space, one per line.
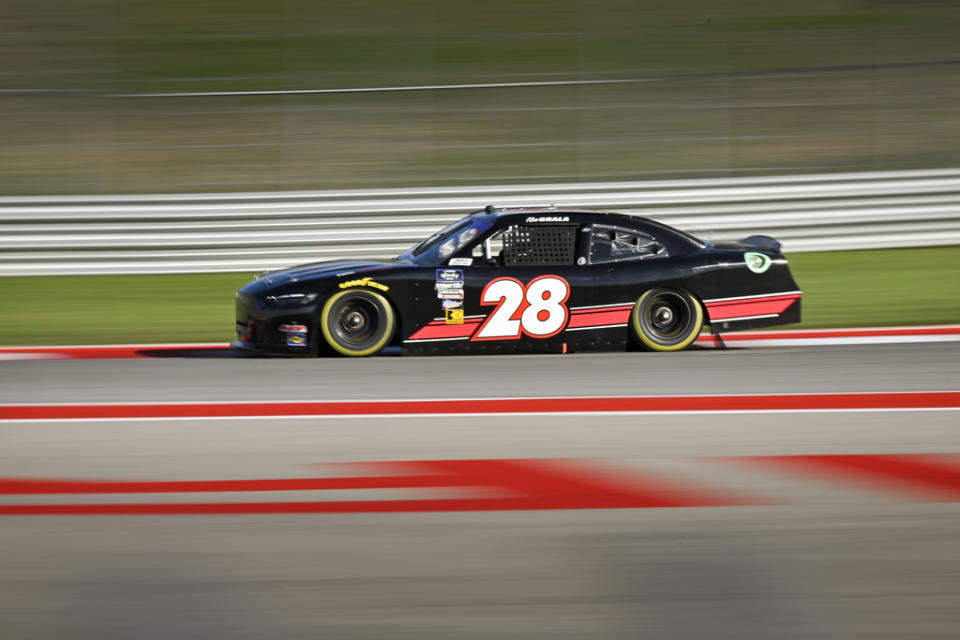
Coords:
266,330
270,349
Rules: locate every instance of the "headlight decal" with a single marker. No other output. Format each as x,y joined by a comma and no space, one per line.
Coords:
291,300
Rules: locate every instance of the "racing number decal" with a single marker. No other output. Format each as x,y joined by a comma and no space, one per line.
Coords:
507,294
538,310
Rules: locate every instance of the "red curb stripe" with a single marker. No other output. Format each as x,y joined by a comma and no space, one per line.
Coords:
931,474
792,402
529,485
112,351
27,486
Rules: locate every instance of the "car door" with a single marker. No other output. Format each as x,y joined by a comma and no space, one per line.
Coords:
619,262
524,282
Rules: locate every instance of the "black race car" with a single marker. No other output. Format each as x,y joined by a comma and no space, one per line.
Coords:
524,280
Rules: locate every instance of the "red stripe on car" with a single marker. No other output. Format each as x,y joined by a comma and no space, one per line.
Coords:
759,306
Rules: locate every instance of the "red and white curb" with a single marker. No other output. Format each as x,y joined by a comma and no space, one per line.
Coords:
827,337
742,339
102,351
495,485
635,405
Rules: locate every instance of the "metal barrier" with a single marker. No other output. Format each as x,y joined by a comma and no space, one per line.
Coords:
185,233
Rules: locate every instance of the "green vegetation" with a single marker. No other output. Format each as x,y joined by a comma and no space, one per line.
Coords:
65,131
118,309
856,288
879,288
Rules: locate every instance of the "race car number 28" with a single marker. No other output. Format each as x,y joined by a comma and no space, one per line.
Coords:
538,309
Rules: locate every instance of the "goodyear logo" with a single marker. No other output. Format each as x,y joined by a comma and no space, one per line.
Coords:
453,316
364,282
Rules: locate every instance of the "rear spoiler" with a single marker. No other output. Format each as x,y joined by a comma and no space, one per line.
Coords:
762,242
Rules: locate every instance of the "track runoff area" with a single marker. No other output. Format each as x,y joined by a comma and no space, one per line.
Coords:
794,491
502,482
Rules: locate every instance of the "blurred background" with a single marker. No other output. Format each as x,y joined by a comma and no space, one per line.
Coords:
302,102
155,154
131,96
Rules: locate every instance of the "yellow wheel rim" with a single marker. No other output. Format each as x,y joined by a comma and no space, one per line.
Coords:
389,322
635,322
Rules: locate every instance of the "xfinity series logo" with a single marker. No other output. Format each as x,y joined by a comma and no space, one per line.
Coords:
450,275
547,219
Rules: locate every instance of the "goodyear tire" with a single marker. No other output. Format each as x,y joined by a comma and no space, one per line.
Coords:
666,320
357,322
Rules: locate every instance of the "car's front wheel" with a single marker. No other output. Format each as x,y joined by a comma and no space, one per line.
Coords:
357,322
666,320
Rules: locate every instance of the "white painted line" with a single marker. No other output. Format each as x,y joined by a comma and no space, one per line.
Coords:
354,416
839,341
419,87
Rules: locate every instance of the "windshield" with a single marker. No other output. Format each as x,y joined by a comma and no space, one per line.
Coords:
447,242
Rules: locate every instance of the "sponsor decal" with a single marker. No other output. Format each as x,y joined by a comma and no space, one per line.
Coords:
296,334
547,219
449,275
451,304
448,286
461,262
364,282
757,262
296,340
450,295
453,316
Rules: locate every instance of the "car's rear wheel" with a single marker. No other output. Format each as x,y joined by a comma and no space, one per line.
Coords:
357,322
666,320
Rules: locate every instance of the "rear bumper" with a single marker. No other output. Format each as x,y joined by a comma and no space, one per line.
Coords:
753,313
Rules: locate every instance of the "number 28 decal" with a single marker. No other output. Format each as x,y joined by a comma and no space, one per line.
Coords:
538,310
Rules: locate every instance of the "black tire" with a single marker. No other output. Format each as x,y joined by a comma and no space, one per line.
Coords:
666,320
357,322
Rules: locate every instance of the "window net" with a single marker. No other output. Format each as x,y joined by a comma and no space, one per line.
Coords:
539,245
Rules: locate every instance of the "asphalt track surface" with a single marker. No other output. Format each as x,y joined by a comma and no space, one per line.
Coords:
792,550
908,367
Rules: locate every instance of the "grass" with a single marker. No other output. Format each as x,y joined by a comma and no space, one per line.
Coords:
856,288
70,137
879,288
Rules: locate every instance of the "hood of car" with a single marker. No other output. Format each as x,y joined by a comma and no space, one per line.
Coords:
335,268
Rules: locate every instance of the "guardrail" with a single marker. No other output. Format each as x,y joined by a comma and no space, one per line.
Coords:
254,231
